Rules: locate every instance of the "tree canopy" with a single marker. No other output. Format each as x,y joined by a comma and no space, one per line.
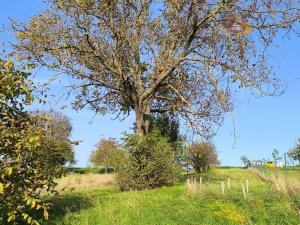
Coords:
202,155
107,153
186,57
55,139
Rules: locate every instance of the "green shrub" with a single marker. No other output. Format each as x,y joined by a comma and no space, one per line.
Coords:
149,163
24,173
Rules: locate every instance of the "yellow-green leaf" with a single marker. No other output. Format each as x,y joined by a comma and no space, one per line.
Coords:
46,214
36,222
28,202
33,202
24,216
9,171
1,188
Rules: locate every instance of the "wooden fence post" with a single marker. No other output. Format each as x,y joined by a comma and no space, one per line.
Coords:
244,191
222,188
228,183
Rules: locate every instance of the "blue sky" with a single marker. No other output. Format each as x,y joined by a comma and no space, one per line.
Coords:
260,124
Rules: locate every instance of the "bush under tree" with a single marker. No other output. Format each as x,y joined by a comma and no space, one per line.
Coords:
149,163
169,127
202,155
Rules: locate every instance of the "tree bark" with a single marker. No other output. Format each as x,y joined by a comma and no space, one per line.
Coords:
142,120
147,117
139,121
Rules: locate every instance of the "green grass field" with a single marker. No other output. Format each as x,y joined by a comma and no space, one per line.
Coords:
182,204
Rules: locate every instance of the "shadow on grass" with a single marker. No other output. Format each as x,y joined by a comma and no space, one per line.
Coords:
67,204
73,202
60,206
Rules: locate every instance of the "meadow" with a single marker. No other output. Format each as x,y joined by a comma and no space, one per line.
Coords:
93,199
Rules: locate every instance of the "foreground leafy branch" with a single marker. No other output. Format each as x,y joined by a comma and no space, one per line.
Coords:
24,173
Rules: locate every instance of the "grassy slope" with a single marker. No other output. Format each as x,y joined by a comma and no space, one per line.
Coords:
176,205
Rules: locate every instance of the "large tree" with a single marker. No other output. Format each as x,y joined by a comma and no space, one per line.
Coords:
188,57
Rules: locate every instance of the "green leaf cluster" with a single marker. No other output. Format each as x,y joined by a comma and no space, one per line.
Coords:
23,172
108,154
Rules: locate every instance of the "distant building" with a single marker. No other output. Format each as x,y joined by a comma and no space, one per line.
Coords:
256,163
279,164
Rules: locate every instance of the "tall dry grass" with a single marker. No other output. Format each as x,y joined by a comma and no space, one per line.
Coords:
85,181
197,187
287,185
280,182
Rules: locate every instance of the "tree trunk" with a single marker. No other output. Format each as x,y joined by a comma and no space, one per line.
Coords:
139,121
147,117
142,118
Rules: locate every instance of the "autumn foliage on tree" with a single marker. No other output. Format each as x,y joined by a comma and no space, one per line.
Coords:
185,57
55,140
107,153
202,155
24,172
